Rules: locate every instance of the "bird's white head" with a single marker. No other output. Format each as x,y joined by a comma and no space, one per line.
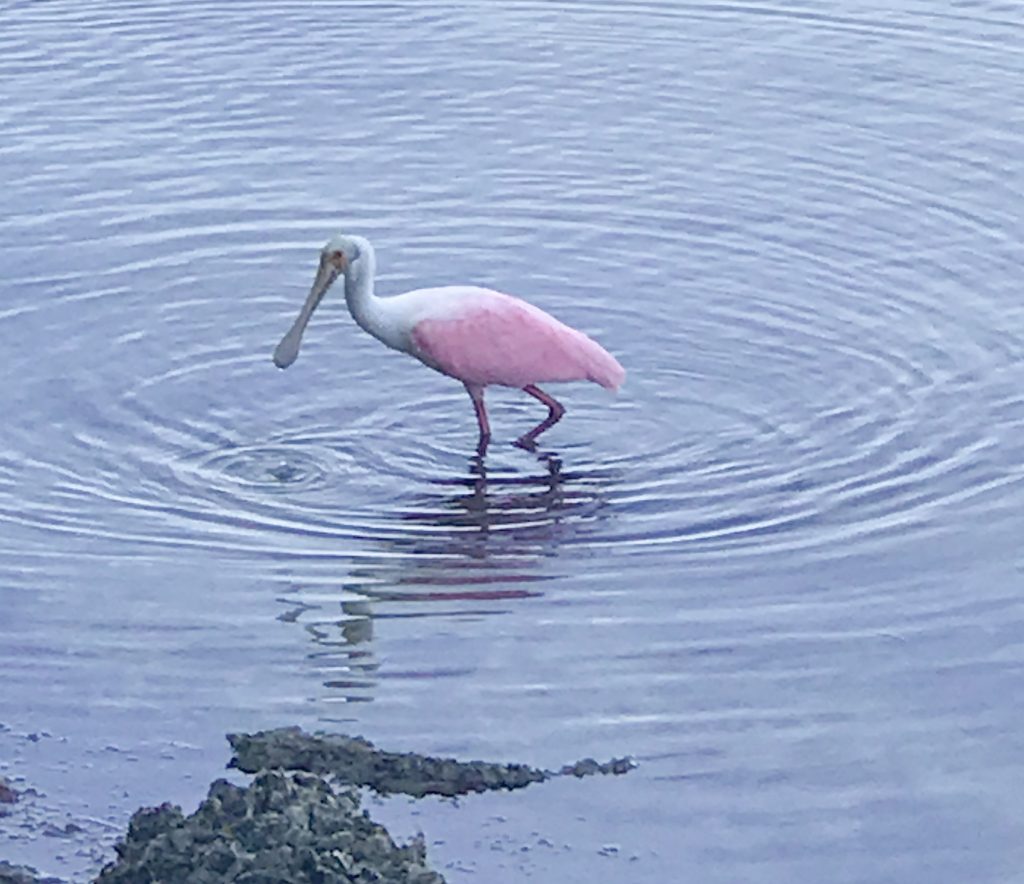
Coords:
342,254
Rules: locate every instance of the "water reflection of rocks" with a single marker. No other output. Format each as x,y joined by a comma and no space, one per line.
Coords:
486,540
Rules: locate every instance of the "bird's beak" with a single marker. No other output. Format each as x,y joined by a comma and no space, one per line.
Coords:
288,350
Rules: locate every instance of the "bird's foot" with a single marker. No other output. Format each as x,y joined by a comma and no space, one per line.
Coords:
527,442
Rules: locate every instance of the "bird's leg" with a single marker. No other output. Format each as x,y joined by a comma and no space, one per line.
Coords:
555,412
477,395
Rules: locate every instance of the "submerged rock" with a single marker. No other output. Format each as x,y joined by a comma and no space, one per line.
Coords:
22,875
283,827
357,762
587,767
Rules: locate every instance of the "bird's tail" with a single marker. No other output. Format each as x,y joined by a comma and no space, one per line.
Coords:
603,368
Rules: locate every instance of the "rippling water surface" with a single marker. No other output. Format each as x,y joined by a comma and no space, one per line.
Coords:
782,568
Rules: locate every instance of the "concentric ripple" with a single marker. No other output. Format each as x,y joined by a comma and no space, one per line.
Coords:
802,419
791,386
262,469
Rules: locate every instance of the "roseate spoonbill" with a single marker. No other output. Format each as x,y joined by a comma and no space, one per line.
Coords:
475,335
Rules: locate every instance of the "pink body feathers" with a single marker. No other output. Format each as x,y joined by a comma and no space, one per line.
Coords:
492,338
476,335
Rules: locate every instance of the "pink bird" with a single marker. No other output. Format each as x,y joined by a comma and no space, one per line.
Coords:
475,335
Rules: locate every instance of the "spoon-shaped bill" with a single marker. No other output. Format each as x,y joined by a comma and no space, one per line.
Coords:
288,350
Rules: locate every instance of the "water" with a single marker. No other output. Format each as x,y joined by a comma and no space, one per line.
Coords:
782,568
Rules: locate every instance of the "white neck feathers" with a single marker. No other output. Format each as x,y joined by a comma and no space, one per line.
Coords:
370,312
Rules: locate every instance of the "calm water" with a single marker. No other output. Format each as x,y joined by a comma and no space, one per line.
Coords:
782,568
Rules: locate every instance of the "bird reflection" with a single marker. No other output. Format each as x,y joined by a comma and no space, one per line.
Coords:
482,540
505,515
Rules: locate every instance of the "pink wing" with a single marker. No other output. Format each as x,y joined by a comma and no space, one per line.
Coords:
493,338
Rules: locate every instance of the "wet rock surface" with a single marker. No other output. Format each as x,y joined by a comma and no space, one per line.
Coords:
355,761
283,827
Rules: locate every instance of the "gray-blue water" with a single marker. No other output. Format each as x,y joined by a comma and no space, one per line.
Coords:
782,568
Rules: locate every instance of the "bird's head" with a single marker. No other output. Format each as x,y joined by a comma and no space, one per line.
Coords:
342,252
351,256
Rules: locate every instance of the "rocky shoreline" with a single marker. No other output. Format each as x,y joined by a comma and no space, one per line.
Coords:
301,818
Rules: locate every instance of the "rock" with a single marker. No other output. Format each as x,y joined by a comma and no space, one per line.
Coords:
23,875
7,793
588,767
291,824
357,762
284,827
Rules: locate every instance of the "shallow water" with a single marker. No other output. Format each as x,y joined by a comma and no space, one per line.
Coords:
782,568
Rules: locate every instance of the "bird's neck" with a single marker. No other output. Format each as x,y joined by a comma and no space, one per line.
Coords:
370,312
359,291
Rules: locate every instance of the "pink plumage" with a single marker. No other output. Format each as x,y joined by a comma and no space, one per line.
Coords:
476,335
493,338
